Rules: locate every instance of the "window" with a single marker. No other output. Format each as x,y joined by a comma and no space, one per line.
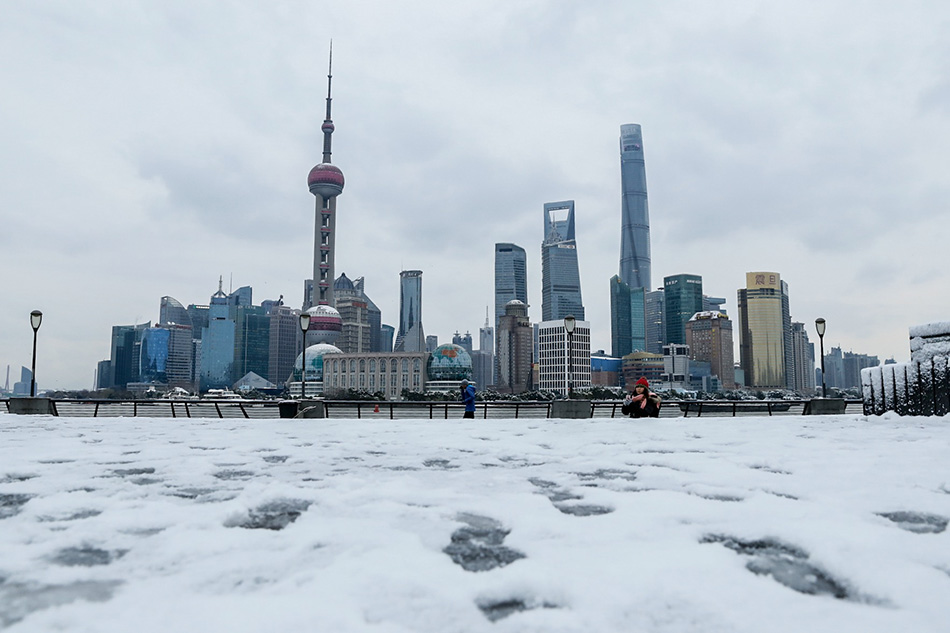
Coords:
372,366
405,365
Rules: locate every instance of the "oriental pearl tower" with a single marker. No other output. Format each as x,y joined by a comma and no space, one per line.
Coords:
326,183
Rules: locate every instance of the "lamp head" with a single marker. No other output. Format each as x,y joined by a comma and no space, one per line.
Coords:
304,321
820,326
36,317
569,323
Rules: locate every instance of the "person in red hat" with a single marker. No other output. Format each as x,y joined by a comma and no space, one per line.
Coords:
643,403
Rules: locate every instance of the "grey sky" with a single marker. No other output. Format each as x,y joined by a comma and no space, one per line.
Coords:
147,148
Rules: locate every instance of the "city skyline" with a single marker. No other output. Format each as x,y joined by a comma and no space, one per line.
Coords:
148,150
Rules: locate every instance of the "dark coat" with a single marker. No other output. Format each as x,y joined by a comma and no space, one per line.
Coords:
651,410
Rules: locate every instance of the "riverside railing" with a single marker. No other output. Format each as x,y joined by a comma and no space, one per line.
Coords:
361,409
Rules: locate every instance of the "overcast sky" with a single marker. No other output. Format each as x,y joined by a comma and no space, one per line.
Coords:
148,148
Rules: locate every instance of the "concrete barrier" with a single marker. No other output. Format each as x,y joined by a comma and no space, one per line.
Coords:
571,409
824,406
32,406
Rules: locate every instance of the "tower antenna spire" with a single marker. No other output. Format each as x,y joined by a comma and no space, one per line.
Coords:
328,122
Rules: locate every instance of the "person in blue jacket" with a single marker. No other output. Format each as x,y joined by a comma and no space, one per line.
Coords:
468,398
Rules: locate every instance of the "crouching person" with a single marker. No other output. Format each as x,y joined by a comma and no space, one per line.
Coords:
643,403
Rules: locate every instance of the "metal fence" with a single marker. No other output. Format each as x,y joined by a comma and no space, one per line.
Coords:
401,410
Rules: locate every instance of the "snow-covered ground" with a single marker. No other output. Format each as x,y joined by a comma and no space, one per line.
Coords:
797,524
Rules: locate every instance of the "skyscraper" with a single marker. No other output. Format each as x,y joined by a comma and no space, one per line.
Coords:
635,216
655,317
217,345
326,183
410,337
510,277
514,350
560,276
627,323
684,298
803,353
562,366
761,332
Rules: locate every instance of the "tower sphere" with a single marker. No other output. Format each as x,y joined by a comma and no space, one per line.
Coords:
325,180
325,324
327,126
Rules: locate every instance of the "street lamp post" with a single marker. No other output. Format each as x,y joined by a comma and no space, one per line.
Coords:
569,323
820,326
36,317
304,326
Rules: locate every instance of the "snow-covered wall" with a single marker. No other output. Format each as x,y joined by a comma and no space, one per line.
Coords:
929,340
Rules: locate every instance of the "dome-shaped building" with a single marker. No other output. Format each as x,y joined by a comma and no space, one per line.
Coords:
449,362
315,354
326,324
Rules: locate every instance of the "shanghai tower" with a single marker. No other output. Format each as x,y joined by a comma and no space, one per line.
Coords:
635,218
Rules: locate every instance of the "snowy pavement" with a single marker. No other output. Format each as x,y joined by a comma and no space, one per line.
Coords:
788,524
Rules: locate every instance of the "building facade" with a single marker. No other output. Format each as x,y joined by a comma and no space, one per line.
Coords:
511,277
514,349
683,295
560,275
627,318
635,215
709,337
563,360
803,357
376,371
410,337
762,310
654,310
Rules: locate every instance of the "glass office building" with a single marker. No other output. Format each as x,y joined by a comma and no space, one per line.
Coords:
510,277
560,276
410,337
683,295
627,322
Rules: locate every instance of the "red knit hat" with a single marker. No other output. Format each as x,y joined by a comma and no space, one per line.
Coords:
643,382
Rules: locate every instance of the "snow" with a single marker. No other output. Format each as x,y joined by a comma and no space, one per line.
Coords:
939,328
831,523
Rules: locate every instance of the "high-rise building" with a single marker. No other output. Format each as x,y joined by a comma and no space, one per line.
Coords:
560,364
126,353
251,340
326,183
514,349
510,277
635,215
217,345
560,275
172,311
627,318
285,343
709,337
803,355
463,340
683,295
486,336
432,342
356,334
655,316
166,356
410,337
387,334
787,339
762,307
